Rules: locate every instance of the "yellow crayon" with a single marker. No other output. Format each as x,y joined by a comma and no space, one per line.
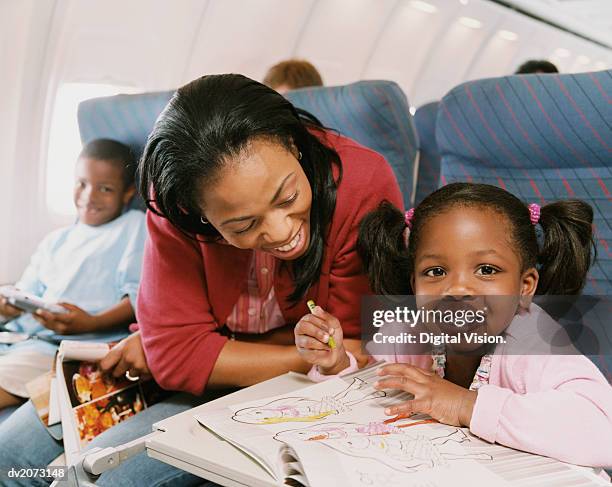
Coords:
331,342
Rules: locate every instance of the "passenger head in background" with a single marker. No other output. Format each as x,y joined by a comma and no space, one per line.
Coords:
292,74
104,181
534,66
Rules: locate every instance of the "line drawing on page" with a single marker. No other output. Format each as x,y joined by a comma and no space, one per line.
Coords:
404,450
303,409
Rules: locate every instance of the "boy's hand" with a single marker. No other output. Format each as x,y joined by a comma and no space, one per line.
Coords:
127,356
437,397
312,341
75,321
7,310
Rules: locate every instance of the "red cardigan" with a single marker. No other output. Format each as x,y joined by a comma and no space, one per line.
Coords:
188,288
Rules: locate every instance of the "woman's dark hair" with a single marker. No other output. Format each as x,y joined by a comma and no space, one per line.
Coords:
114,152
211,120
563,260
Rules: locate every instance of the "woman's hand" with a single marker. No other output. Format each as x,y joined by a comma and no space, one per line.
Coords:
437,397
7,310
74,321
127,356
312,334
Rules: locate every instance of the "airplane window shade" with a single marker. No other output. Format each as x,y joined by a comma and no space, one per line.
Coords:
64,141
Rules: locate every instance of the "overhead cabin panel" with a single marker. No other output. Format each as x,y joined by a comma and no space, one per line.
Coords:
246,36
144,43
405,45
339,36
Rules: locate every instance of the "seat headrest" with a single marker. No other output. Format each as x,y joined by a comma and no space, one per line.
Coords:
125,118
375,114
542,137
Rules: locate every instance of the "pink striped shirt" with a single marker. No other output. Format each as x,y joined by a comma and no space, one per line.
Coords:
257,310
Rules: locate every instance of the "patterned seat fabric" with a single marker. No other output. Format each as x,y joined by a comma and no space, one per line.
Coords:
125,118
429,156
375,114
543,138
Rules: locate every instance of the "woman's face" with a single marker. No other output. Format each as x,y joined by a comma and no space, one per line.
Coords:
261,200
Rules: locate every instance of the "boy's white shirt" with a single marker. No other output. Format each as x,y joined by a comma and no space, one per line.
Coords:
62,267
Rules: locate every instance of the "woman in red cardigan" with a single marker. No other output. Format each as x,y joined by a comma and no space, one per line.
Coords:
255,210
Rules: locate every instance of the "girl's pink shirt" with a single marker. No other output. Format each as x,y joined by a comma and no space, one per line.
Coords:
550,404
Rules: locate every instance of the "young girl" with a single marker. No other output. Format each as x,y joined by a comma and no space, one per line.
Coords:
465,241
94,263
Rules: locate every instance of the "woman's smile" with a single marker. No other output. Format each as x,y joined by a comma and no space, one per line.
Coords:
262,200
294,248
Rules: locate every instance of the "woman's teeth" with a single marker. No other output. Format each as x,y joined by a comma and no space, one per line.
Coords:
291,245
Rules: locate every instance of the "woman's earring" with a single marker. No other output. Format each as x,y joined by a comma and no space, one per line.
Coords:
299,156
204,222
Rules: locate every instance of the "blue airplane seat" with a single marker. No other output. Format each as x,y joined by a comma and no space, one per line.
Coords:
375,114
429,157
541,137
126,118
6,412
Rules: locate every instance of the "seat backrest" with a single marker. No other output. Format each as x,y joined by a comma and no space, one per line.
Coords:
375,114
125,118
428,177
541,137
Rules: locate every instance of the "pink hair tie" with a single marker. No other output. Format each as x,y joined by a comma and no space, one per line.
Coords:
408,217
534,212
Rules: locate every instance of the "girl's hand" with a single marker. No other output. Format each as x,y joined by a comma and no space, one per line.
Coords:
7,310
437,397
127,356
76,320
312,341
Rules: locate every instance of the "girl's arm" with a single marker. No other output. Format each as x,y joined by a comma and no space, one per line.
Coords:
557,406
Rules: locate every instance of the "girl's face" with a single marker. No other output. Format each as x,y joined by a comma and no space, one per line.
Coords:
466,259
100,193
262,200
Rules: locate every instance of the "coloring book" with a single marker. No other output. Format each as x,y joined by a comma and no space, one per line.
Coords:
336,433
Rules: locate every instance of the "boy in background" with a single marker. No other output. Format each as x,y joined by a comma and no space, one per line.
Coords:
91,268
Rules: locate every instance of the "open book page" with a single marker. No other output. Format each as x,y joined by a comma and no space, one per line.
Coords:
336,433
430,456
344,420
91,402
44,391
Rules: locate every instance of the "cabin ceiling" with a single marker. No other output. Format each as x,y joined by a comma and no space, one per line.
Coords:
592,18
426,46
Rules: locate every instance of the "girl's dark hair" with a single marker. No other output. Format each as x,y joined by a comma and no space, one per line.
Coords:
115,152
563,260
212,120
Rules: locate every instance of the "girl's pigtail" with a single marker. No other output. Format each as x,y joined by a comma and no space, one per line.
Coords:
382,249
568,249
